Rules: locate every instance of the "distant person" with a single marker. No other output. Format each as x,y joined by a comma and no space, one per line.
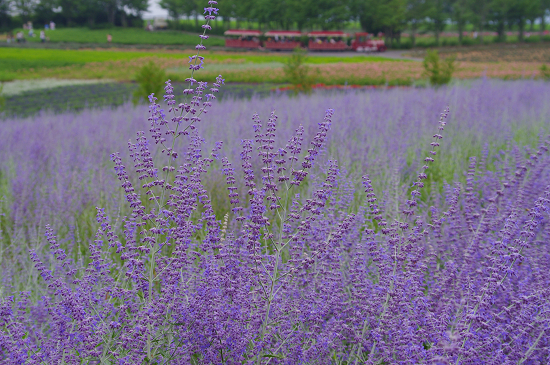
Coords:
109,38
52,25
20,37
42,36
31,33
46,26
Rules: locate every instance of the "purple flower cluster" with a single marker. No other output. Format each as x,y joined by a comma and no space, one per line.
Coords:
307,266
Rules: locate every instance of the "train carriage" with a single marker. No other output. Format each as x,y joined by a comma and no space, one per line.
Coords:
327,41
242,38
278,40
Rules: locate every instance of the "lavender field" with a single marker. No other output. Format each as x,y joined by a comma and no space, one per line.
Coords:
295,240
391,226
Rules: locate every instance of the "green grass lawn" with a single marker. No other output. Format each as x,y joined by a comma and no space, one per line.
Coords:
124,36
20,58
14,60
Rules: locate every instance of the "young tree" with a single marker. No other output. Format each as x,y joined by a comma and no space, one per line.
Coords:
89,10
174,8
498,15
389,17
460,13
330,14
438,12
543,9
479,11
300,13
520,11
137,7
416,14
274,13
44,11
392,17
5,6
111,6
69,10
25,8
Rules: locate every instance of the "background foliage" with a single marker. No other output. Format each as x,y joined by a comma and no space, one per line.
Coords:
392,17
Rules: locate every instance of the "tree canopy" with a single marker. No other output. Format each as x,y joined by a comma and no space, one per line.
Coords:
391,17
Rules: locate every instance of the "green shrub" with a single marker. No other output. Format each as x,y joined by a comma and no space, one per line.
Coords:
438,71
545,72
151,79
466,41
298,73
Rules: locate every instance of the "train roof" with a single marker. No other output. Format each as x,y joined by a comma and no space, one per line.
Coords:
243,32
328,33
283,33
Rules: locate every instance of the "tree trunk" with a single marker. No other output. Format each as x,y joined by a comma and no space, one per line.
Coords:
388,36
500,31
460,30
542,26
521,25
480,29
437,37
197,19
124,19
111,15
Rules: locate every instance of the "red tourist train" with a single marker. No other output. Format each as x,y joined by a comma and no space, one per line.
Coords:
278,40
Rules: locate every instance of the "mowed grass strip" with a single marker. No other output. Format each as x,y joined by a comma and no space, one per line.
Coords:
24,63
43,58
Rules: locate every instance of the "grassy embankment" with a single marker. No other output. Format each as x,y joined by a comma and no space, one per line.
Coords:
135,36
